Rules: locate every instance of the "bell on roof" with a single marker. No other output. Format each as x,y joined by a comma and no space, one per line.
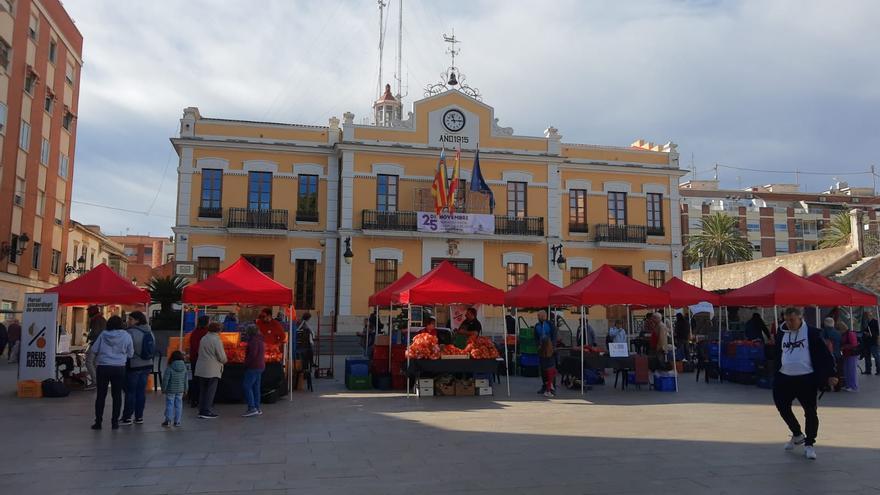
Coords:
452,80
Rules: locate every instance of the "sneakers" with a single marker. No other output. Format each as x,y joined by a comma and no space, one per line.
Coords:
795,440
126,422
250,413
165,424
542,391
209,415
810,452
847,389
177,425
259,412
550,394
138,421
96,426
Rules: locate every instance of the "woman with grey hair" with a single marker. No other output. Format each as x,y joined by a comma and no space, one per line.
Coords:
254,364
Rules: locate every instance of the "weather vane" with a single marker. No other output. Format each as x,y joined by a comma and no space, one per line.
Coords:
452,77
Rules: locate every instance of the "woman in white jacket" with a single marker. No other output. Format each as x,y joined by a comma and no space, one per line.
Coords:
209,369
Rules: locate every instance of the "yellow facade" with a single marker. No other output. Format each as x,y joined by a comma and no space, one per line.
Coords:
222,216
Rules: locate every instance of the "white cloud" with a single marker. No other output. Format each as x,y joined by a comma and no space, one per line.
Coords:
768,85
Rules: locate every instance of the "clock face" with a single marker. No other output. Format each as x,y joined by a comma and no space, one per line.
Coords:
453,120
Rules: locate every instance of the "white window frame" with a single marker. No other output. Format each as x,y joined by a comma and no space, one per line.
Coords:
44,152
24,137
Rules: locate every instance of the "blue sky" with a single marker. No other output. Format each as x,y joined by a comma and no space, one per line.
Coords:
779,85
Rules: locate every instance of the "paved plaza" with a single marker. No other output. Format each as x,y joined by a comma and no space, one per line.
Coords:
708,438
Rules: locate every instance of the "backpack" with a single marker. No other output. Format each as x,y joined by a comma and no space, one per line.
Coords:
54,388
148,346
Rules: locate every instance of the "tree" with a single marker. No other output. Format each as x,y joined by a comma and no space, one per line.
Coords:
166,291
837,233
720,241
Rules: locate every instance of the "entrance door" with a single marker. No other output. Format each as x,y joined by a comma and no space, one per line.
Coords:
465,265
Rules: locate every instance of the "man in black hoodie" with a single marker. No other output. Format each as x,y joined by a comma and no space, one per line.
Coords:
803,366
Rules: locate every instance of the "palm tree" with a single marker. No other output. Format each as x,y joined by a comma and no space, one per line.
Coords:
166,291
720,241
837,233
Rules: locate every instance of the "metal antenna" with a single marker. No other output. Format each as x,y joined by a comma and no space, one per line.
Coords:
399,48
452,42
382,6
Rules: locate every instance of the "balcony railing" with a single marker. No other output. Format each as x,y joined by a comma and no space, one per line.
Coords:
306,216
402,221
621,233
210,212
578,228
519,225
407,221
659,231
245,218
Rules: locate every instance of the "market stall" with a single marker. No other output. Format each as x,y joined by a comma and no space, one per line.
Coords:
100,285
532,294
446,285
857,297
242,283
605,287
683,294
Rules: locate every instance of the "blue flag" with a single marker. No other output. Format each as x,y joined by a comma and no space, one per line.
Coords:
478,184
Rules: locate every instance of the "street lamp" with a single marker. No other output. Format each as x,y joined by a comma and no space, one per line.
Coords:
78,269
20,246
700,255
347,255
556,256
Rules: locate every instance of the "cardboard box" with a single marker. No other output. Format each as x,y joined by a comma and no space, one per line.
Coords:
484,391
444,389
464,387
426,382
425,391
482,383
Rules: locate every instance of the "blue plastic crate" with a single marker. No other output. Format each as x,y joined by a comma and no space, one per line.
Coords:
351,361
529,360
359,370
664,383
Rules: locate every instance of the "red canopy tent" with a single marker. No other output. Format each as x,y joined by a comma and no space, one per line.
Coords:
446,284
100,285
606,286
384,296
682,293
781,288
857,297
240,283
534,293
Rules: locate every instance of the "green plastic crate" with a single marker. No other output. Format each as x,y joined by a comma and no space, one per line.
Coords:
527,333
528,347
358,382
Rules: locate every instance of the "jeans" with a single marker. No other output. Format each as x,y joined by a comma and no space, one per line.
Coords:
851,372
874,351
173,407
207,390
114,377
251,382
135,392
803,388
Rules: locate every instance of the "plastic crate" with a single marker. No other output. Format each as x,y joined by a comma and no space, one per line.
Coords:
664,383
382,382
358,382
529,360
526,334
359,370
530,371
350,361
528,347
30,389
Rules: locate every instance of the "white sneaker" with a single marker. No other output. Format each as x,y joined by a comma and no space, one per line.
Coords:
847,389
795,440
548,394
810,452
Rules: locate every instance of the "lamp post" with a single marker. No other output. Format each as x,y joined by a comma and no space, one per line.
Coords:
700,254
348,255
21,243
78,269
556,256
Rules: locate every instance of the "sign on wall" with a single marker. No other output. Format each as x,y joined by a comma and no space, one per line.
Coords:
38,337
459,223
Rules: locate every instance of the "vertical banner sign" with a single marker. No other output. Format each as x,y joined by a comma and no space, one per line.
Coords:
38,337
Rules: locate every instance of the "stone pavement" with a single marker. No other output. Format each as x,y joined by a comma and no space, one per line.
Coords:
708,438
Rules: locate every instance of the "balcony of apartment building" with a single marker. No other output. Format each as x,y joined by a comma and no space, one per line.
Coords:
386,217
259,221
623,234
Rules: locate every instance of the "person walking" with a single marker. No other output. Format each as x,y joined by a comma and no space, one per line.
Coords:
872,345
195,339
545,330
254,364
305,342
139,368
4,338
547,356
209,369
174,385
849,349
96,325
803,365
112,349
13,332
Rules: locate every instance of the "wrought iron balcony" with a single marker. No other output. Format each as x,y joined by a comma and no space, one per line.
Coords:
210,212
401,221
635,234
245,218
519,225
306,216
578,228
659,231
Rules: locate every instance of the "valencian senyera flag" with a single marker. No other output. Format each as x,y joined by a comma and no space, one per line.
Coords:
453,183
478,184
438,187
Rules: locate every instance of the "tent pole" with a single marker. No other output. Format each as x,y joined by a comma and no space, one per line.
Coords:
674,364
515,333
408,332
720,344
390,335
582,342
182,315
291,344
506,362
818,324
